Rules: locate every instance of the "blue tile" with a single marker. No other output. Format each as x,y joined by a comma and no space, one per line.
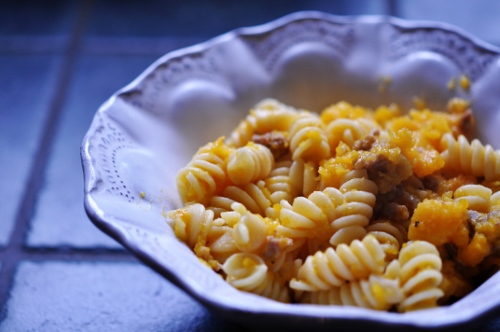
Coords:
33,44
207,18
105,45
32,17
59,217
493,326
479,17
70,296
26,89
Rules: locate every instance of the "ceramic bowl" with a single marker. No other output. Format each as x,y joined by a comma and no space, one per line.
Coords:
148,130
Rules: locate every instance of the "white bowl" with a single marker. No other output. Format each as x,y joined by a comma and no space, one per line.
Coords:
148,130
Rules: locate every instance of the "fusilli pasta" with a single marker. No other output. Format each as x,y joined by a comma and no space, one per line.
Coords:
308,141
420,275
252,195
211,239
249,163
205,174
249,273
477,196
279,183
470,158
331,268
378,292
354,214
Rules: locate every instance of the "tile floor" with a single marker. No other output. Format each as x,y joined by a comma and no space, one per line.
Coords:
59,61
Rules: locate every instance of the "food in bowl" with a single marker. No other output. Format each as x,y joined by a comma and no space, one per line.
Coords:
376,208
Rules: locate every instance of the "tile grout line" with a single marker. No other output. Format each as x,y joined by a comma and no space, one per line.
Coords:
15,250
33,184
65,254
122,46
392,7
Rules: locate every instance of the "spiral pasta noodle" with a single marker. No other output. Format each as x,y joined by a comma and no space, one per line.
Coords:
308,141
205,174
252,195
477,196
189,222
250,231
471,158
248,272
390,235
420,276
279,183
331,268
378,292
304,177
249,163
309,214
345,130
270,114
267,115
354,214
211,239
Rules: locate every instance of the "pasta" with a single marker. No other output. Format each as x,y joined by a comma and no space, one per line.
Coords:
309,215
249,163
266,116
205,174
279,183
252,195
344,130
357,209
333,267
308,141
420,275
389,234
378,292
249,273
376,208
291,179
211,239
189,222
477,196
250,231
471,158
304,177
